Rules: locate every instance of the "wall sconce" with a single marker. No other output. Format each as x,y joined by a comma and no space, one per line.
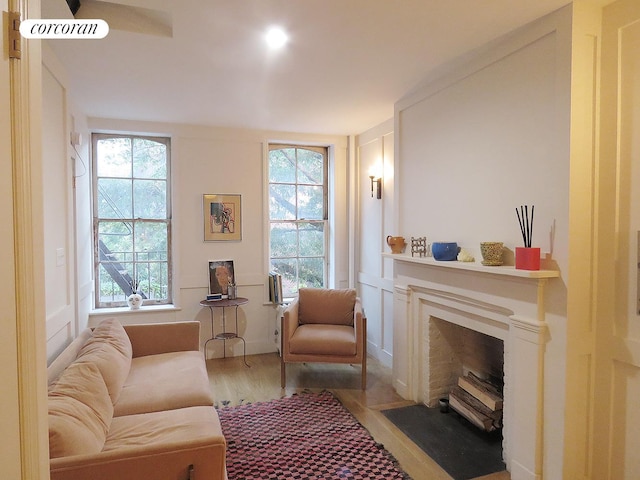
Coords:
376,178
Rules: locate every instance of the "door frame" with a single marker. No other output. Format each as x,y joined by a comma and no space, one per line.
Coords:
28,310
597,204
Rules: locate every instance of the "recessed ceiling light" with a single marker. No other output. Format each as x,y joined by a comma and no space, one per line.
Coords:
276,37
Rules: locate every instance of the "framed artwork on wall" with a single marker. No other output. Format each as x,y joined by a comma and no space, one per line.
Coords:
221,274
222,217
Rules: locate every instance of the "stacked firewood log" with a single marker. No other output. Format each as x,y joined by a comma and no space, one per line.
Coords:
479,401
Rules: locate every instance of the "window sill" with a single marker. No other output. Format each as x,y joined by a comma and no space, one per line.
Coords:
127,310
285,303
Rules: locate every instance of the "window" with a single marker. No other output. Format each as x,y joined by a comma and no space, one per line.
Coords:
298,216
131,219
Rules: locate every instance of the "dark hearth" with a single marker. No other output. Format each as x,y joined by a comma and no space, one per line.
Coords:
460,448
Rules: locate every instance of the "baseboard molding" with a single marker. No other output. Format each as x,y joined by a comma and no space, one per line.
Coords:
402,389
384,357
520,472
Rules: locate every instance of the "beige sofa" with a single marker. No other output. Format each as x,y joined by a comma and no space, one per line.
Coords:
134,402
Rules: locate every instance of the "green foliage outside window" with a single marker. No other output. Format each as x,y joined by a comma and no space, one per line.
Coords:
131,213
297,215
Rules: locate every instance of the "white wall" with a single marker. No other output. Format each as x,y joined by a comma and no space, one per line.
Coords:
59,185
204,160
67,224
480,137
83,220
209,160
375,148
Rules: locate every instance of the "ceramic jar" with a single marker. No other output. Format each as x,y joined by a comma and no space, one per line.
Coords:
445,251
396,244
134,301
491,253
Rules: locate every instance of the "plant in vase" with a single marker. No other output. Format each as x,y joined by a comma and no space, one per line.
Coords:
134,300
527,257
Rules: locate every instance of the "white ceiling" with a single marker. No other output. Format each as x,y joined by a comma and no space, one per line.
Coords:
205,62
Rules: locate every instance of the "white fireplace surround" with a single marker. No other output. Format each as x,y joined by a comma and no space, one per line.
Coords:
501,302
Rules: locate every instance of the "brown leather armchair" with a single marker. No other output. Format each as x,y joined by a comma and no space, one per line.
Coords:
324,326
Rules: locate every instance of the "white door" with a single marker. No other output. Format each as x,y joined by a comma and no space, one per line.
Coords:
616,400
602,427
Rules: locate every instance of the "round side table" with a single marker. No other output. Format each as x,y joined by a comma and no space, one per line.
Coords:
225,335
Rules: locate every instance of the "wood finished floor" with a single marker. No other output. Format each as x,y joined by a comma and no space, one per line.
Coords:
235,383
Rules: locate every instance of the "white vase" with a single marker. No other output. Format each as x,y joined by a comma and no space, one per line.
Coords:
134,301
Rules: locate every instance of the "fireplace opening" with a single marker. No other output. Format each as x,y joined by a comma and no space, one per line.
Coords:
432,303
466,368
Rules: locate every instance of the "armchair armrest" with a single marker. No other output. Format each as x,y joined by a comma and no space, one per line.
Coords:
289,324
360,327
357,311
155,338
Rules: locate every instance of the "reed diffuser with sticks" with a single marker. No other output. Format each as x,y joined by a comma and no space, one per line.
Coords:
527,257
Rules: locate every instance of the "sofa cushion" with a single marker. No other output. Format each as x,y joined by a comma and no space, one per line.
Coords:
80,412
163,382
181,427
110,350
66,357
318,305
337,340
154,338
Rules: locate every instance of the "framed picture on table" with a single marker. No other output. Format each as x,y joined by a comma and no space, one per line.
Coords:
221,274
222,215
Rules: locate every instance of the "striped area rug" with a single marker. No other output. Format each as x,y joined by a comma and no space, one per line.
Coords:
304,437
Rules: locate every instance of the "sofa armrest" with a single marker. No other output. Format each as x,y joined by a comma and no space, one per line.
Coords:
171,462
158,446
156,338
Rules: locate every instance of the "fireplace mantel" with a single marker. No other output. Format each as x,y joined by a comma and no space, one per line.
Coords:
500,301
474,267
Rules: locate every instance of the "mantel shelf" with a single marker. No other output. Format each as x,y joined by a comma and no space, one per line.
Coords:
505,270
